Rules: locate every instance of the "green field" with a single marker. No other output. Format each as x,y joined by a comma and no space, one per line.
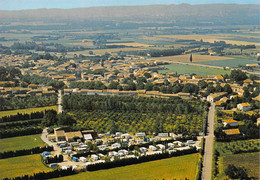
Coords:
250,161
22,142
188,69
29,110
230,63
177,167
18,166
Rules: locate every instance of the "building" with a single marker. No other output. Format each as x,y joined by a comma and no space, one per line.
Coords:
244,107
216,96
230,122
231,132
73,136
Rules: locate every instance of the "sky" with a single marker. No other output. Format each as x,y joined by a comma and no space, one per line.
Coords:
66,4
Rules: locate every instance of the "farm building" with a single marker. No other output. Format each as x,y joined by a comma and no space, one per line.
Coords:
216,96
230,122
244,107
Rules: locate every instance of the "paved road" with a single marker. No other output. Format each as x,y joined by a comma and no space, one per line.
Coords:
207,162
59,102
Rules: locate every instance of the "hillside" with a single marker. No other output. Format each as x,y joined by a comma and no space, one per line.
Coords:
183,14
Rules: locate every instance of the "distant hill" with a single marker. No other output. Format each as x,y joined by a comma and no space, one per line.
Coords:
183,14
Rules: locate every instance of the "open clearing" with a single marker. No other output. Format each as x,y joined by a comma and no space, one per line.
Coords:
18,166
21,142
195,58
189,69
230,62
173,168
29,110
250,161
228,38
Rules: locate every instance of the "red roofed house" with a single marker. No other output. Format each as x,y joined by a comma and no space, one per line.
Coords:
230,122
244,107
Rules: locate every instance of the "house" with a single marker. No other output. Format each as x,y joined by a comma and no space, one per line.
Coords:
190,142
102,147
215,96
140,134
153,148
161,146
73,136
87,137
170,145
143,149
83,159
94,157
60,135
118,134
122,152
112,153
244,107
116,145
231,132
230,122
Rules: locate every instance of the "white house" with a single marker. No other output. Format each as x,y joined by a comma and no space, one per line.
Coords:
170,145
163,134
161,146
140,134
83,159
143,149
230,122
139,141
112,153
102,147
153,148
190,142
116,145
244,107
94,157
122,152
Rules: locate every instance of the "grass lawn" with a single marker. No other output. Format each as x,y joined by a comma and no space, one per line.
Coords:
22,142
29,110
250,161
177,167
231,62
188,69
18,166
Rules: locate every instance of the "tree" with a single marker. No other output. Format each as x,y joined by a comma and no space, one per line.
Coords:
148,86
113,85
238,75
202,84
236,173
147,75
65,119
50,118
191,58
219,88
227,88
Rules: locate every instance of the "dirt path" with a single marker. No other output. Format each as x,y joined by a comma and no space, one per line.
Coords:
207,162
59,102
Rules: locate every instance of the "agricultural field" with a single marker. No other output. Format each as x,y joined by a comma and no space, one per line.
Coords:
195,58
172,168
29,110
238,39
189,69
131,44
233,153
250,161
235,62
18,166
21,142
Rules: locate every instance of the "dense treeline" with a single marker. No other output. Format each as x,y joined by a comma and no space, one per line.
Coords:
134,104
55,159
141,159
45,175
35,79
20,124
27,102
158,52
24,152
21,117
20,132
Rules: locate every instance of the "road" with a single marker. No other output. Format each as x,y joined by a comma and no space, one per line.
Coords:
207,162
59,102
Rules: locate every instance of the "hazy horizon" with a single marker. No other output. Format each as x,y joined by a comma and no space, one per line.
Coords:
67,4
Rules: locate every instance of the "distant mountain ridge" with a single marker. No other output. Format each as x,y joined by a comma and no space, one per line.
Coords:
215,13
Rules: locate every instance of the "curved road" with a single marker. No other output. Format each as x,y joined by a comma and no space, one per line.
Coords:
59,102
207,162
